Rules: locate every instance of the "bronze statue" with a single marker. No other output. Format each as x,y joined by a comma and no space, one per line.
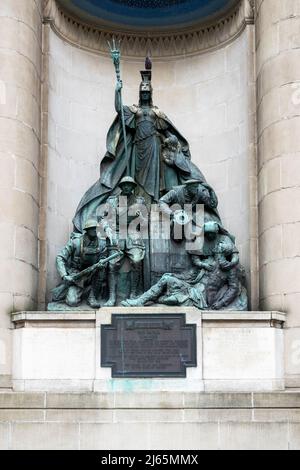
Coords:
193,193
224,278
176,167
216,282
171,289
80,267
126,205
214,234
148,162
135,143
224,288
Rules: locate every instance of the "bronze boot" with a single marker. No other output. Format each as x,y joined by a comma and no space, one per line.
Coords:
92,301
150,296
135,277
112,289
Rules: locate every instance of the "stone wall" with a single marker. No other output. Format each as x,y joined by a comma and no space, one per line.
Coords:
150,421
20,73
278,111
236,352
207,98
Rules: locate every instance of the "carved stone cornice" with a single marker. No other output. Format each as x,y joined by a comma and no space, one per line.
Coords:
185,42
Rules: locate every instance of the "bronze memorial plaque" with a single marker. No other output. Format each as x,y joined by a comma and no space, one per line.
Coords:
148,345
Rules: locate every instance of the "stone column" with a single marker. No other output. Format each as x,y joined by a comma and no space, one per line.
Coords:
278,114
20,85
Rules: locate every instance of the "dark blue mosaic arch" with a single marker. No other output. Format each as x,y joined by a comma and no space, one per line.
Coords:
148,13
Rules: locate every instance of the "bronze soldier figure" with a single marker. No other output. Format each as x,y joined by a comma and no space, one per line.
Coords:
81,252
224,285
214,234
216,282
223,276
182,289
193,193
132,246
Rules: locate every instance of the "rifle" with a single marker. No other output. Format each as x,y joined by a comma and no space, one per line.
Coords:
59,292
86,272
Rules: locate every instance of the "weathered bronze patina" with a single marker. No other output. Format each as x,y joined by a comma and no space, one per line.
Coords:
148,165
140,345
132,247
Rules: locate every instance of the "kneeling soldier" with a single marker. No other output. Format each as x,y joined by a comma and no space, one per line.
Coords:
79,265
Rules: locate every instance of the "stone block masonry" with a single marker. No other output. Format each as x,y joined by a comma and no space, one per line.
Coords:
278,126
20,111
61,351
150,421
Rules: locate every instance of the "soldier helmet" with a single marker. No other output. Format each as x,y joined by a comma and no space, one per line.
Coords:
146,80
146,84
211,227
225,247
127,179
90,223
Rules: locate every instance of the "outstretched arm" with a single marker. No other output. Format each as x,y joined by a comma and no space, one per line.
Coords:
118,101
166,201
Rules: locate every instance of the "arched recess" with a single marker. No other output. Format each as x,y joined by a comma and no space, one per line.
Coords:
203,79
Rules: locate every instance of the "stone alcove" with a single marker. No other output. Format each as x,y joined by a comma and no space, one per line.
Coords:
202,79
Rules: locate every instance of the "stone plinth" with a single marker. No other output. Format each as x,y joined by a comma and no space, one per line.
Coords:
236,351
151,421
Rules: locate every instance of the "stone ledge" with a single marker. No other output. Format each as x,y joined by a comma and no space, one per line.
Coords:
24,318
58,316
153,400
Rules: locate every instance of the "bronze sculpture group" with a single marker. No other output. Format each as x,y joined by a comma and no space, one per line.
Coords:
147,169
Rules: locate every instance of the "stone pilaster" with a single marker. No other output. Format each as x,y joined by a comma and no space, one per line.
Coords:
20,90
278,113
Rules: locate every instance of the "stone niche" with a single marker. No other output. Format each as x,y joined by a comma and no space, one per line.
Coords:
208,98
